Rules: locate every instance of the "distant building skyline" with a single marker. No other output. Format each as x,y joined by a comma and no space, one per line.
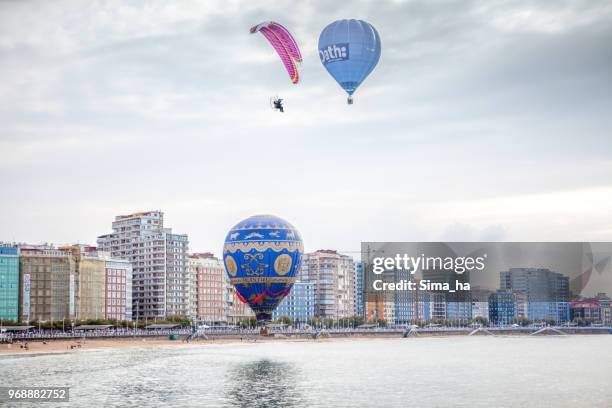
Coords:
196,284
83,276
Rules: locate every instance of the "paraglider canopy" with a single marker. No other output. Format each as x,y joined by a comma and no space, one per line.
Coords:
285,45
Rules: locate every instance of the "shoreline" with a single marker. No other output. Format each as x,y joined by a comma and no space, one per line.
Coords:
65,346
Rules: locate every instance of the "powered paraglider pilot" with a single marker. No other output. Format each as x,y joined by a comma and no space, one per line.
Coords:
278,104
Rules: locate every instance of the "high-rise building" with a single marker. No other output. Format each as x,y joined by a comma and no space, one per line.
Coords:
456,305
480,302
214,297
438,305
403,301
544,293
333,275
389,309
425,305
359,280
299,305
501,307
399,306
118,288
605,306
48,284
9,282
210,287
89,282
408,306
180,284
521,304
459,310
162,284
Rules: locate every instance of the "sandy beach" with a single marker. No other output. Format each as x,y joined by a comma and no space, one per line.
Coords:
77,345
71,346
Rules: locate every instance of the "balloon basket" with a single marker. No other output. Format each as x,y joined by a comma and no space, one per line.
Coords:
349,100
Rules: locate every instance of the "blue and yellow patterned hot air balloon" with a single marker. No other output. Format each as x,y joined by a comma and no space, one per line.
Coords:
262,256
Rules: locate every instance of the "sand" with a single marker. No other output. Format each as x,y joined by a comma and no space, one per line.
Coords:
74,346
71,346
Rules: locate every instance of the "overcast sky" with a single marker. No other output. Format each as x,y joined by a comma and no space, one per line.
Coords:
484,120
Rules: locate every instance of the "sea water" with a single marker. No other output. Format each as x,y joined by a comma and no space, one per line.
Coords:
457,371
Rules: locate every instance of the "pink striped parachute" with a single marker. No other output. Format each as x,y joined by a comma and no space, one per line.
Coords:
284,44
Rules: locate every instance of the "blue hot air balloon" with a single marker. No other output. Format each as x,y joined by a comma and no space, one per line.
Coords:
262,256
349,50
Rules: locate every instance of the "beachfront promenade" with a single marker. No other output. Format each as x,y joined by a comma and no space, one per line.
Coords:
310,332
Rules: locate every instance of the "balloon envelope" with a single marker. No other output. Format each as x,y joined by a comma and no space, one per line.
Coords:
349,50
262,256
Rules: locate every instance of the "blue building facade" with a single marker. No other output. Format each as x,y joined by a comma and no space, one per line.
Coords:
299,305
9,283
402,300
459,310
501,307
359,303
546,293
